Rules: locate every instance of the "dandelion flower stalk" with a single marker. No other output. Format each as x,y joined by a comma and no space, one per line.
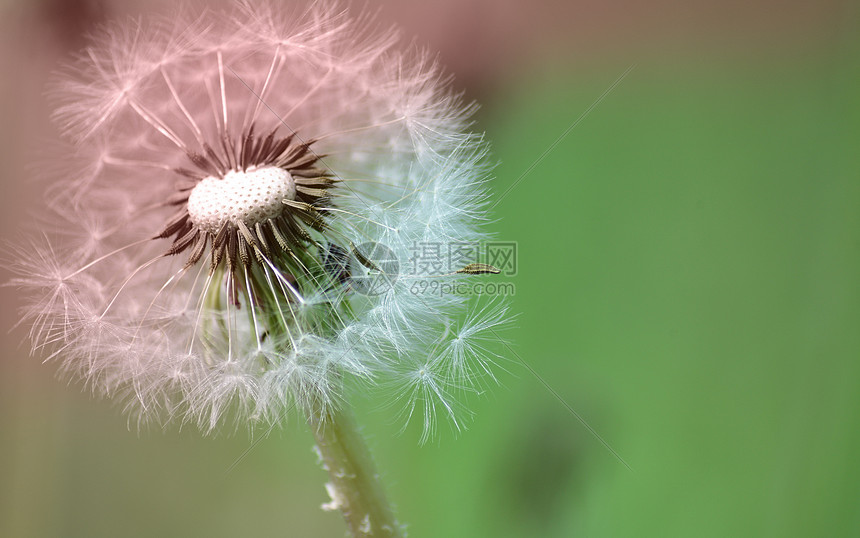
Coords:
230,223
355,489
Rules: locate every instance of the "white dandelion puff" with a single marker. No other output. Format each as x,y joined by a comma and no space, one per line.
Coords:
239,196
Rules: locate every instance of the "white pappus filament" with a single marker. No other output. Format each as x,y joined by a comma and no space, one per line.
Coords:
222,174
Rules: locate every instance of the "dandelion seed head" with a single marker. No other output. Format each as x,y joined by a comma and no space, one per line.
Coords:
202,257
251,197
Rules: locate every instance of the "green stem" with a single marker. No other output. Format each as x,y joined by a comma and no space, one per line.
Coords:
355,487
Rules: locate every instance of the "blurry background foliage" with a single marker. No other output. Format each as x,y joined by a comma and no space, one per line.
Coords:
689,281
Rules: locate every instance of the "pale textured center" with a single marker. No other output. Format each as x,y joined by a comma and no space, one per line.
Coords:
251,196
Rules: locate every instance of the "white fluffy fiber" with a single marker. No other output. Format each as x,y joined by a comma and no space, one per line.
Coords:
105,305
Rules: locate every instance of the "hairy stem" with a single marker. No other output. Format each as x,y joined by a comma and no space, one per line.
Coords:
355,487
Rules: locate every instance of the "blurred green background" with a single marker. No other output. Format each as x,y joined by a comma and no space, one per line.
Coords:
689,282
